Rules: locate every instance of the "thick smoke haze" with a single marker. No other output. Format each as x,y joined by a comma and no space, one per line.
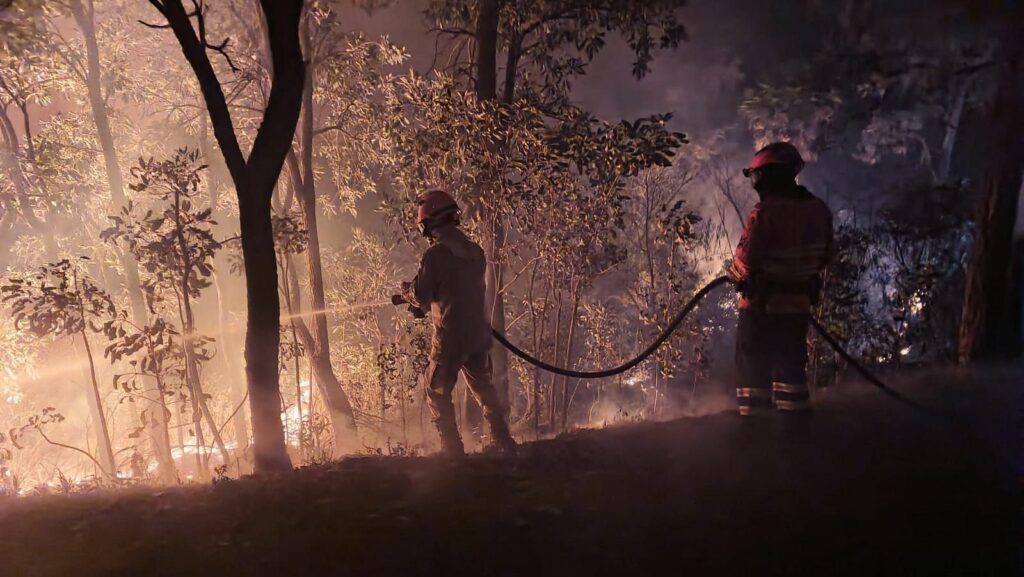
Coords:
889,102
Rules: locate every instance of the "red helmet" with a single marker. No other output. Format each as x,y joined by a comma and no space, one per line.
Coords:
776,153
433,205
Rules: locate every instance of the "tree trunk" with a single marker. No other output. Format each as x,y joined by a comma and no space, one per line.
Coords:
21,186
537,392
557,344
988,330
192,364
339,410
227,342
319,346
487,49
570,341
486,89
495,299
96,406
292,308
239,427
293,305
952,129
84,15
263,337
532,409
512,68
167,471
202,459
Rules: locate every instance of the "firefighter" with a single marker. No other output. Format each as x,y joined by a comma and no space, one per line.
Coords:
777,268
449,287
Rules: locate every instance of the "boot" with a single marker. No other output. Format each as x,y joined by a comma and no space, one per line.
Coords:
451,441
501,439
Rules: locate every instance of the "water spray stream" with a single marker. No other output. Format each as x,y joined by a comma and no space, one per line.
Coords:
339,309
239,329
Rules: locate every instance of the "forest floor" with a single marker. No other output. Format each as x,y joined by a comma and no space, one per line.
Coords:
868,487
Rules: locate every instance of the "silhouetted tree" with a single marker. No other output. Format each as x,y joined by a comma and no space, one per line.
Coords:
255,178
61,300
990,326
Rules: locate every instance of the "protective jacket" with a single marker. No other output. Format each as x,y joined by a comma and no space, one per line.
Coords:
450,288
786,244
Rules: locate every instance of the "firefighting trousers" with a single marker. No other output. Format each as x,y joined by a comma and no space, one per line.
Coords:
442,374
771,360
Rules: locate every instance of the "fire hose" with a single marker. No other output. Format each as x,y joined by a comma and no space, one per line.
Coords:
664,336
677,321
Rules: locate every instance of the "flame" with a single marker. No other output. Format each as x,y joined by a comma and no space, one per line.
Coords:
290,416
178,453
916,304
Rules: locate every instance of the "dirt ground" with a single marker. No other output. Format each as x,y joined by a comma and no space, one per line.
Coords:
866,488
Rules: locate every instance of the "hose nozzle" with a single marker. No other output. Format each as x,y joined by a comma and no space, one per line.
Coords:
416,311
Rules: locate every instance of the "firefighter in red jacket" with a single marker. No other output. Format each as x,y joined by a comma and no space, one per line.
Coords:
449,288
777,268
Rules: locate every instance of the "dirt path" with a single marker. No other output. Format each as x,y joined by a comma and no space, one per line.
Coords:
867,488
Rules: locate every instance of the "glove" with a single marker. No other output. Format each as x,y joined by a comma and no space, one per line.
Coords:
406,298
416,311
734,275
408,292
737,279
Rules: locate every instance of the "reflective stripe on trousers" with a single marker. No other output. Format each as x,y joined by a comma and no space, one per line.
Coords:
791,397
753,400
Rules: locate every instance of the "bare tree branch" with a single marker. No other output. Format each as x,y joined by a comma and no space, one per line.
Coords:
195,53
73,448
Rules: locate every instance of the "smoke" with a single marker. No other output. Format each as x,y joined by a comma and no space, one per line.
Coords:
734,45
706,397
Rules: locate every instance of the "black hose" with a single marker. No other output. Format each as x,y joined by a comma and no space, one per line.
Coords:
871,378
678,320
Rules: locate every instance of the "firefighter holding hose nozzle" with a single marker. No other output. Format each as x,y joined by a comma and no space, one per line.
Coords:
777,268
449,288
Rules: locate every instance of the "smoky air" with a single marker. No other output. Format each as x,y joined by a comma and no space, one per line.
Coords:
510,287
